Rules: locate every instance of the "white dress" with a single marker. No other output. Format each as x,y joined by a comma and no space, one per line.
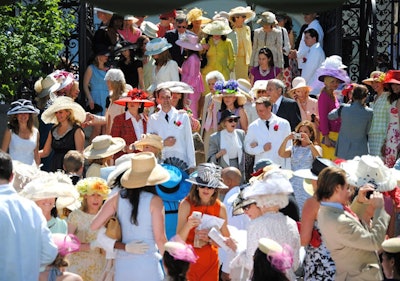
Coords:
22,149
135,267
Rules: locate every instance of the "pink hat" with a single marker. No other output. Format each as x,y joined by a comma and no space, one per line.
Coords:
66,244
191,42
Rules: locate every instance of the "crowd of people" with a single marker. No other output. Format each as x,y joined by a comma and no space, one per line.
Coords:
218,153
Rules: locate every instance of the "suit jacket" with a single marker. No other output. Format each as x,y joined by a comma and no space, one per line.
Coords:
289,110
352,245
353,134
176,51
215,147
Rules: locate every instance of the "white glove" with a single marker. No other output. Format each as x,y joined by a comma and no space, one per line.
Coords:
106,243
136,247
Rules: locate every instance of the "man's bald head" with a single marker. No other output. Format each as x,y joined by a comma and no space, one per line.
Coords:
231,176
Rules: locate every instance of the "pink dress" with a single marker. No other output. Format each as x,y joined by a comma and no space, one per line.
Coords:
192,76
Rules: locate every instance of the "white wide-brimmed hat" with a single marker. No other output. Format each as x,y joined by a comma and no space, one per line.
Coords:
246,11
157,46
317,166
51,185
267,18
176,87
207,174
391,245
63,103
63,77
46,86
369,169
272,182
24,173
190,42
103,146
258,85
149,29
144,171
22,106
299,83
217,27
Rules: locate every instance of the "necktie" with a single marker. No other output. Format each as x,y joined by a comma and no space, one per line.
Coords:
274,108
267,124
166,117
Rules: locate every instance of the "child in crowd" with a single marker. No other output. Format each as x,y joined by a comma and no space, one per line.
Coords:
73,165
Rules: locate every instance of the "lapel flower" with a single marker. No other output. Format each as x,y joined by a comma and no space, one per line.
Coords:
304,60
276,127
178,123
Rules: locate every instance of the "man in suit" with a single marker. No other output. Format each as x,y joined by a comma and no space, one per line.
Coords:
281,106
265,135
352,243
174,128
180,31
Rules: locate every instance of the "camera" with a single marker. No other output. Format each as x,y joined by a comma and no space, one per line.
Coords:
369,193
297,136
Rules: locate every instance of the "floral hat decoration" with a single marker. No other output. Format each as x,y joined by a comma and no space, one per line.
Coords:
280,257
228,89
392,77
136,95
375,76
93,185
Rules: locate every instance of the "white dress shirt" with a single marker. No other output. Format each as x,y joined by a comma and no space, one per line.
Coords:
303,49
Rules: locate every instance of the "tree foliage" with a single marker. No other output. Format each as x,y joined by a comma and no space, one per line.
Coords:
32,37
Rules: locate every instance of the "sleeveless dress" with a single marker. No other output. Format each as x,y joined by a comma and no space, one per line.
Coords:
301,159
22,149
61,145
392,143
207,266
318,264
129,266
98,87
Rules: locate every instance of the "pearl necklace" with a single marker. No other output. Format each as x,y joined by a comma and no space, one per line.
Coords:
263,72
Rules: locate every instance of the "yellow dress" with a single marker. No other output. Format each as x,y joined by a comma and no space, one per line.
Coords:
243,53
220,57
88,264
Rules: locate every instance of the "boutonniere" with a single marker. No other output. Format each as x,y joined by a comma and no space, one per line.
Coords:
304,60
276,127
178,123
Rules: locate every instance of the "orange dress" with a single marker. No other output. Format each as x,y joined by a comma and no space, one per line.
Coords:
207,266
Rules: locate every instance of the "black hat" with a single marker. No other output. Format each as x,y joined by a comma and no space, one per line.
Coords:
101,50
124,45
317,166
227,114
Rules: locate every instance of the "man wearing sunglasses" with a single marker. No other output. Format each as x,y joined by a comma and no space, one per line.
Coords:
180,32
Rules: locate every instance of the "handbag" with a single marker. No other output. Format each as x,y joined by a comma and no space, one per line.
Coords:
113,227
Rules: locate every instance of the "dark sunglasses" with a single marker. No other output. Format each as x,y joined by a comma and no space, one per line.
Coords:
231,120
247,207
181,26
202,186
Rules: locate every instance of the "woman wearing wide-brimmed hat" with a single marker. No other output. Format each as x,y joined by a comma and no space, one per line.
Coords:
239,16
203,198
229,96
66,134
220,54
166,68
390,259
21,139
331,73
131,124
300,92
141,215
131,66
381,107
190,73
196,20
392,141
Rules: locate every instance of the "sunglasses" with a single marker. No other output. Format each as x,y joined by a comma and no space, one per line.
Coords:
231,120
202,186
247,207
181,26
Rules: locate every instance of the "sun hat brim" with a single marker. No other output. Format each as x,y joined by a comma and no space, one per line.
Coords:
195,179
62,103
308,88
24,109
307,186
125,100
139,144
217,28
305,174
117,144
177,192
188,45
158,51
241,99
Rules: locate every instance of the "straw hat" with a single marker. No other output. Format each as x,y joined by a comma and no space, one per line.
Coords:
122,164
207,174
66,243
157,46
176,188
149,29
149,139
375,76
258,85
228,89
46,86
267,18
217,28
176,87
244,88
61,103
103,146
392,77
22,106
144,171
369,169
135,95
51,185
196,14
190,41
391,245
248,12
298,83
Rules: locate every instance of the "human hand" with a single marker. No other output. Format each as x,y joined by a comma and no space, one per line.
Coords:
221,153
376,200
225,276
253,144
292,54
202,234
267,146
88,120
91,103
363,191
231,243
170,141
136,247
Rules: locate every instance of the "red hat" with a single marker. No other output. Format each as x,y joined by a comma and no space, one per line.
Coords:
171,14
392,77
135,95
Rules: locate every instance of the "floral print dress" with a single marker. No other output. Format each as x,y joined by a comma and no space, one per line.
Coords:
392,142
